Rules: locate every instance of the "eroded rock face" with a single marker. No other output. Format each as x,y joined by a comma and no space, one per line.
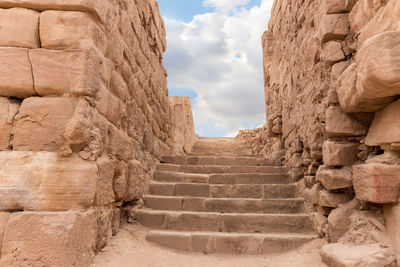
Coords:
376,182
68,238
385,128
339,153
45,181
335,178
349,256
8,110
372,81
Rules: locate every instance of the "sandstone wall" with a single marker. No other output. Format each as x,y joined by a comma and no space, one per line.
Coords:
184,133
332,81
84,117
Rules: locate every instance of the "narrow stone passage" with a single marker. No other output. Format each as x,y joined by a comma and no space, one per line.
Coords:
220,198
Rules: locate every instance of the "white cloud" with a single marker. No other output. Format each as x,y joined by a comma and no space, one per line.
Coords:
219,55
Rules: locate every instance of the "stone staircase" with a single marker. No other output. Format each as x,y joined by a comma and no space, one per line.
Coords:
222,199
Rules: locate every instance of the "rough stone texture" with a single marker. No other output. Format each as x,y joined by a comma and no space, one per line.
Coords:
332,200
335,178
8,110
67,237
185,136
325,83
3,223
15,73
45,181
380,133
338,123
392,219
339,220
339,153
377,182
19,27
84,118
372,81
350,256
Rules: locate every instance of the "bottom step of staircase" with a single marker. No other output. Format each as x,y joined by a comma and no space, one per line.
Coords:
236,243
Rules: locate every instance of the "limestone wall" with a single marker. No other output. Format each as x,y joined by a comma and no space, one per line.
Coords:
183,124
84,116
332,81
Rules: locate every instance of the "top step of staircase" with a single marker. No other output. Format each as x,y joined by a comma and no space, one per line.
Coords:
218,160
221,146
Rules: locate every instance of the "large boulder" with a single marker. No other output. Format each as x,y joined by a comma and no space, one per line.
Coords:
342,255
372,82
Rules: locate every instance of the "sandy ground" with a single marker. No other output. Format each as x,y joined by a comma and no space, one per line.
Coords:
129,248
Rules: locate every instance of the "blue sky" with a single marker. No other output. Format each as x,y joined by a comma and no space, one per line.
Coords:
214,56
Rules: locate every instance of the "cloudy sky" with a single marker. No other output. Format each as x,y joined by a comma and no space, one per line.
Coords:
214,55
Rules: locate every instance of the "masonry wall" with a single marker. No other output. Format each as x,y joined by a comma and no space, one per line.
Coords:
332,86
184,133
84,118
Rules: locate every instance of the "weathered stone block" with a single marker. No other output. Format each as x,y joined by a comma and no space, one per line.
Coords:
332,200
362,13
338,123
339,153
377,182
15,73
350,99
104,184
41,122
136,181
379,66
339,220
98,7
391,213
349,255
19,27
3,223
120,181
334,27
8,110
386,18
49,239
335,178
45,181
73,72
318,222
109,105
77,30
335,6
385,128
332,53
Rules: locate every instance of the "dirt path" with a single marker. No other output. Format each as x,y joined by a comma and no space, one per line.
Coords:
129,248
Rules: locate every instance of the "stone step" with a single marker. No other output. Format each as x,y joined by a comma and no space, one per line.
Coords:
225,205
218,160
208,169
231,178
220,222
266,191
229,243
